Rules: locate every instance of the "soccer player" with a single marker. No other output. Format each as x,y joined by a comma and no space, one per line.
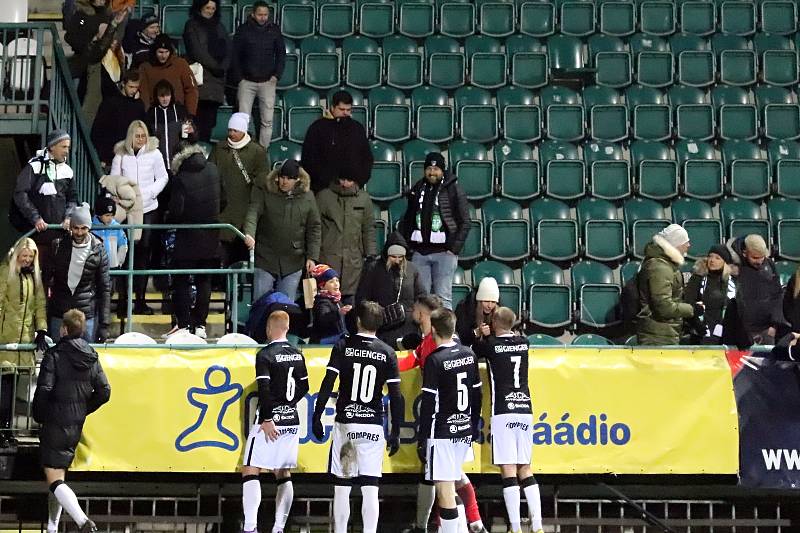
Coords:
363,365
512,419
449,414
274,437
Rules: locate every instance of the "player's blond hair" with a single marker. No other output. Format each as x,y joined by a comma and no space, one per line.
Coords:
74,321
278,320
504,318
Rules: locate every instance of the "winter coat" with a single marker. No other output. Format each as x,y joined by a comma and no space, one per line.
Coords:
466,319
200,36
336,148
93,293
82,26
71,385
662,309
237,188
328,323
22,314
146,166
791,304
453,208
176,71
93,52
114,239
125,192
166,124
714,289
195,199
258,52
111,123
348,232
286,226
135,44
28,197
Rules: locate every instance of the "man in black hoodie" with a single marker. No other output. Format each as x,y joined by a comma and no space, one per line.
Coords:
71,385
336,146
115,115
436,225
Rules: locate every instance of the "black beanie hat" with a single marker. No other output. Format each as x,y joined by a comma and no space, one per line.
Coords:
104,205
435,159
290,169
722,251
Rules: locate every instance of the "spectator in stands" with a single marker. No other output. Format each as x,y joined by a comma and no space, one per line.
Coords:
474,314
660,281
124,190
395,284
436,224
87,35
71,385
139,37
115,115
23,319
791,301
207,43
45,193
168,120
712,284
328,312
259,56
758,289
138,156
348,231
114,238
196,198
284,218
241,162
79,278
336,146
165,64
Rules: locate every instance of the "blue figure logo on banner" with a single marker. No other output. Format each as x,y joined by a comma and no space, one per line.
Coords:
202,398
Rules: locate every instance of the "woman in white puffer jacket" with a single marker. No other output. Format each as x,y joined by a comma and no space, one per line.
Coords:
138,157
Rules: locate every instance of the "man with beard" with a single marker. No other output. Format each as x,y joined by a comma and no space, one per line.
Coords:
115,115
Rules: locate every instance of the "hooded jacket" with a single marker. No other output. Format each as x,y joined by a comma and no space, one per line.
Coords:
166,124
336,148
286,226
111,123
146,166
82,26
758,291
175,70
196,198
258,52
348,232
453,208
662,309
125,192
136,44
208,43
34,180
71,385
714,289
22,313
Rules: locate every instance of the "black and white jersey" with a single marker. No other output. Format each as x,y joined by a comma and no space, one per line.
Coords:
364,365
284,366
507,356
451,374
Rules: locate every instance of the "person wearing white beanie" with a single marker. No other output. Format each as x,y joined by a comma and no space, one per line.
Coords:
660,281
474,313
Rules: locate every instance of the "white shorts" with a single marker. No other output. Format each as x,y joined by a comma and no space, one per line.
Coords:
356,450
512,439
445,458
272,455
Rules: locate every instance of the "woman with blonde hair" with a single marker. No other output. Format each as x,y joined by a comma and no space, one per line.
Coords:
23,319
138,157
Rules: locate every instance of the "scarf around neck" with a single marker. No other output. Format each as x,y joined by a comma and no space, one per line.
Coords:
334,296
241,144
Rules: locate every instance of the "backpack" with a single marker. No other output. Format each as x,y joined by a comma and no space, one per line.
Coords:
629,300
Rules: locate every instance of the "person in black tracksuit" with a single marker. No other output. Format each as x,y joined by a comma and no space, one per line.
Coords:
71,385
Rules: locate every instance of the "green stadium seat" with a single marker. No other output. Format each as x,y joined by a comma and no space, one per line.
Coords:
577,18
492,269
291,73
382,151
657,18
646,42
556,233
446,70
696,68
644,218
404,70
427,95
786,270
479,123
173,20
386,181
728,95
384,95
461,288
743,217
522,43
550,150
721,42
457,19
359,44
414,152
555,94
737,18
603,233
468,95
654,69
628,270
298,20
738,122
766,42
565,52
473,245
508,232
782,121
738,67
682,42
522,123
537,19
321,71
529,69
508,150
392,123
695,122
497,19
280,151
476,178
337,21
609,172
780,67
608,122
597,294
397,44
565,180
684,94
317,45
657,172
397,209
478,44
598,95
768,94
488,70
618,18
639,95
416,19
540,339
565,122
588,339
652,122
536,271
703,179
380,233
549,298
698,18
519,179
613,69
784,215
750,178
299,119
364,70
733,150
698,220
779,17
434,123
788,178
599,43
376,19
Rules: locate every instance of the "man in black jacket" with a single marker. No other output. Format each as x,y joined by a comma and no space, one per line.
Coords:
336,146
115,115
436,224
259,55
79,278
71,385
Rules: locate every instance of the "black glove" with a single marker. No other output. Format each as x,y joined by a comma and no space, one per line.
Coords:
411,341
41,340
699,309
476,434
422,450
393,445
102,334
317,429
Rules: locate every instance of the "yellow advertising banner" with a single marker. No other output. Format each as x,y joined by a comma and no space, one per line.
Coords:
595,411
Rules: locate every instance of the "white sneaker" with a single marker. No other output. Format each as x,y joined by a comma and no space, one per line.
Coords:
200,331
171,332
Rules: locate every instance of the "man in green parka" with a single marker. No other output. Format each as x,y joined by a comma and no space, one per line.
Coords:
660,283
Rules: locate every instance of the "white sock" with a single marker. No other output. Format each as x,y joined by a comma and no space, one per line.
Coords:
462,517
69,502
251,498
283,504
534,505
53,513
341,508
369,508
426,495
511,496
449,525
